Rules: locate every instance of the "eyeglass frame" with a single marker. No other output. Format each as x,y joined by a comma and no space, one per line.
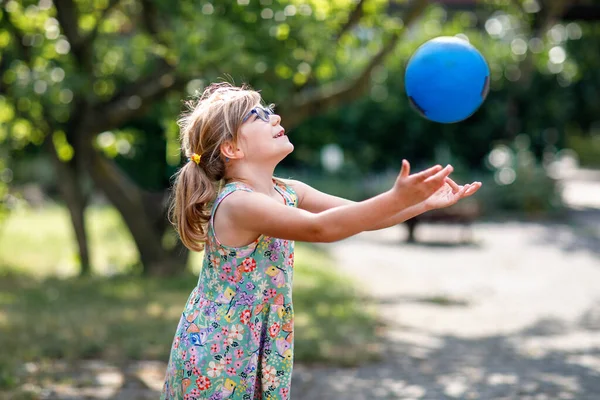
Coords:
266,117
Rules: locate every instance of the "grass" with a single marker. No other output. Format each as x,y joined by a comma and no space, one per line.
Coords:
48,313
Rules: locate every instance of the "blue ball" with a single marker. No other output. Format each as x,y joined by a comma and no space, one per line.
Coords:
447,79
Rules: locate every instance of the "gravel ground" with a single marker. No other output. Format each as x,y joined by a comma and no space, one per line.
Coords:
513,315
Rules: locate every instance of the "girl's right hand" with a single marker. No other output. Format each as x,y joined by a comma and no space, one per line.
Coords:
413,189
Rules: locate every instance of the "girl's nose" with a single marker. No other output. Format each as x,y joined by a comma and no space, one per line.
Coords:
275,119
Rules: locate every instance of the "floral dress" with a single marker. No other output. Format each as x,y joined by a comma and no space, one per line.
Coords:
235,336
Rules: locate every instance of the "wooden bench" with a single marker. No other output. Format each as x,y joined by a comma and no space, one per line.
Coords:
463,213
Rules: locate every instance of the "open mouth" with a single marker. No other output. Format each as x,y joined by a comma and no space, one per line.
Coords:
280,134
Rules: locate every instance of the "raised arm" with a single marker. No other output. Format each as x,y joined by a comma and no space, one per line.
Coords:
257,213
315,201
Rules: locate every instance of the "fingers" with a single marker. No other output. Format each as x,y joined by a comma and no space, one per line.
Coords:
405,170
421,176
463,191
473,187
440,176
455,187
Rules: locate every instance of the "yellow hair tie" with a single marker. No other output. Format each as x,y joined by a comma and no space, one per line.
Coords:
195,158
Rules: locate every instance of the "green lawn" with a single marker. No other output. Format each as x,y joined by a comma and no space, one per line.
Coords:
47,313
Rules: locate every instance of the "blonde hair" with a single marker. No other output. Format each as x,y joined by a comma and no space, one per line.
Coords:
209,121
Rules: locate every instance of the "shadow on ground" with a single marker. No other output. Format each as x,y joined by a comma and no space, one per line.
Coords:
582,232
547,360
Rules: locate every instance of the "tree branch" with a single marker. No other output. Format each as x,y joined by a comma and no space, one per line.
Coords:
90,37
68,18
313,101
149,16
132,100
67,15
354,16
353,19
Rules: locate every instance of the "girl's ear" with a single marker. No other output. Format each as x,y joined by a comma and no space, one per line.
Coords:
231,151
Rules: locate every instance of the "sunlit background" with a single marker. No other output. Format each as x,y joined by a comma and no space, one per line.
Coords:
494,298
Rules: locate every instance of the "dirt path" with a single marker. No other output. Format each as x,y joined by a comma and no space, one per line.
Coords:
516,315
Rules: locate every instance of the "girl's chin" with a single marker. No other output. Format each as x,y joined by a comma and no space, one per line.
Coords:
289,150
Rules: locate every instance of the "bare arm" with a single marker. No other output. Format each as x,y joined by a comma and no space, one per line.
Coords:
315,201
258,213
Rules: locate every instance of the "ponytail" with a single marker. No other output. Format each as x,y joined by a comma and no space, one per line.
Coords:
194,191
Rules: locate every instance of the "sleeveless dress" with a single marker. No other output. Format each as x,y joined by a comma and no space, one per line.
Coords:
235,336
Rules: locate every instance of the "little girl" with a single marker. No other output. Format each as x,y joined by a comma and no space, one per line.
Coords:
235,336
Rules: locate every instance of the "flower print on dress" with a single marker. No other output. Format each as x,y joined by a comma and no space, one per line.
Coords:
210,310
255,330
214,369
256,277
284,392
203,383
216,396
274,329
275,245
249,264
245,299
255,309
237,332
269,294
245,316
289,260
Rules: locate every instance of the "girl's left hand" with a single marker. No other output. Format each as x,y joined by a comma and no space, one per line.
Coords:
450,193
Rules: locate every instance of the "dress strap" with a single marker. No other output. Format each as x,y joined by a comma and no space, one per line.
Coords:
226,191
287,192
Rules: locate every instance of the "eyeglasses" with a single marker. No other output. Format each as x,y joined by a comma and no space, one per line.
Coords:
261,112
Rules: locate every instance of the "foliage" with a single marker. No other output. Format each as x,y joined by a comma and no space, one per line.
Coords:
278,48
553,103
587,149
282,47
96,85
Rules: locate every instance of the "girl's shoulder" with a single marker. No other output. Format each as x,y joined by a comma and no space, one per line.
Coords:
225,190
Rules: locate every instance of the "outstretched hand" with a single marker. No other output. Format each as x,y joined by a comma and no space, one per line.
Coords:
416,188
450,193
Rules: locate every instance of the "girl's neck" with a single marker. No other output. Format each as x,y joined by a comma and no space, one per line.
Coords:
260,181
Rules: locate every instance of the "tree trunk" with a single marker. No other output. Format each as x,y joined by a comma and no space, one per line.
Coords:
75,200
129,201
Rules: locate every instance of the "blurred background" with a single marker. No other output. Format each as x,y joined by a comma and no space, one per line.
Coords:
497,297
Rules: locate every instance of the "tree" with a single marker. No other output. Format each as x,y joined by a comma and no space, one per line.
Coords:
75,73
